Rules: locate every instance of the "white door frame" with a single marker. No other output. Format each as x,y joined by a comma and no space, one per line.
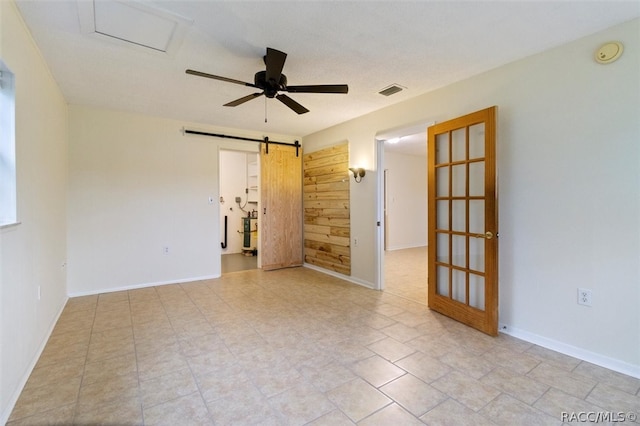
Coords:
379,284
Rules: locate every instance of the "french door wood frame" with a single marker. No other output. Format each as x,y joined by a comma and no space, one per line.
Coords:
463,220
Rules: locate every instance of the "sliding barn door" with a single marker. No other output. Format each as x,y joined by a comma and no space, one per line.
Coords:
281,198
463,220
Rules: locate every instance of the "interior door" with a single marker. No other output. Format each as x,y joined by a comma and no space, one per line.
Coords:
463,220
281,198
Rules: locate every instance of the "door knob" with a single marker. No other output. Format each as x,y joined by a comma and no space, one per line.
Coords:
487,235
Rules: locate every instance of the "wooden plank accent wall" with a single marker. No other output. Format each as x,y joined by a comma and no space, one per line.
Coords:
327,226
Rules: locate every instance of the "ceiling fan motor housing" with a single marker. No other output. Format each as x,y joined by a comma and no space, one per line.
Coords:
270,87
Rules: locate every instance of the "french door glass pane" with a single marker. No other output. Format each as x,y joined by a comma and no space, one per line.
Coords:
442,181
442,247
476,254
476,217
459,216
476,291
459,286
459,180
458,250
443,281
476,179
476,141
459,145
442,214
442,148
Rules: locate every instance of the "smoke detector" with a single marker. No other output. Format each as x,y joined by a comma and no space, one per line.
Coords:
609,52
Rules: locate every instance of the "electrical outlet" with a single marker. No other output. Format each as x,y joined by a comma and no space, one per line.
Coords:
238,200
355,241
584,296
165,249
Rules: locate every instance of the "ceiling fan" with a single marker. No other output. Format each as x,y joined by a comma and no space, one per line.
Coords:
271,81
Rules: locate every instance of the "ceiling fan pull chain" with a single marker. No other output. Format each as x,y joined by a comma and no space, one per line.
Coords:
265,109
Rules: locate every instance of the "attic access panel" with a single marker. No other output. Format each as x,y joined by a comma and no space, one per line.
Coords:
134,23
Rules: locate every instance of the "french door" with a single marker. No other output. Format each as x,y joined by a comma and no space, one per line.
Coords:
281,206
463,220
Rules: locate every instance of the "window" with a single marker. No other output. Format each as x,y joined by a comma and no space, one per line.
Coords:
8,211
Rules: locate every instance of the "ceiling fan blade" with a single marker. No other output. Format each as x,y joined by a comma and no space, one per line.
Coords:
274,60
243,99
321,88
292,104
217,77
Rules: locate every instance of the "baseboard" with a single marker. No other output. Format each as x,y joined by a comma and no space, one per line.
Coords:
143,285
576,352
14,398
341,276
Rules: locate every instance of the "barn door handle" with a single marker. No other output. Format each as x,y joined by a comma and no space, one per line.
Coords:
264,211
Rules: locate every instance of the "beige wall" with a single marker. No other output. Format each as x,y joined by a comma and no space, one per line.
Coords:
32,253
569,185
406,200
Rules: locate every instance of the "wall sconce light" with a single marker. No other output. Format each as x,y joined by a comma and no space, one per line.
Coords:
358,173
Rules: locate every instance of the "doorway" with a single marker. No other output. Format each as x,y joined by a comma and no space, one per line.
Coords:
239,206
402,200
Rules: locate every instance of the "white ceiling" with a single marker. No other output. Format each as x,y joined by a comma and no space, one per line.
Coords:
421,45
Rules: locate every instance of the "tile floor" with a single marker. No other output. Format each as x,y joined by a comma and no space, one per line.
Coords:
405,273
237,262
296,347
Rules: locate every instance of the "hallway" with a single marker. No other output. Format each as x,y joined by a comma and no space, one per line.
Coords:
405,273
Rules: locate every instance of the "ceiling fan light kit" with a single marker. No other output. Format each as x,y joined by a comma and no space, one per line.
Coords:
271,81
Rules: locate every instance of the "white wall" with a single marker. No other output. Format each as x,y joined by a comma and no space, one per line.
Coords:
406,200
32,253
233,182
137,185
569,185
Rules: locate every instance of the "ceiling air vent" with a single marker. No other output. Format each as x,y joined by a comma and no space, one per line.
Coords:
390,90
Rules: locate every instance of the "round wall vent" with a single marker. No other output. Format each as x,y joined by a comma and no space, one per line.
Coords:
609,52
